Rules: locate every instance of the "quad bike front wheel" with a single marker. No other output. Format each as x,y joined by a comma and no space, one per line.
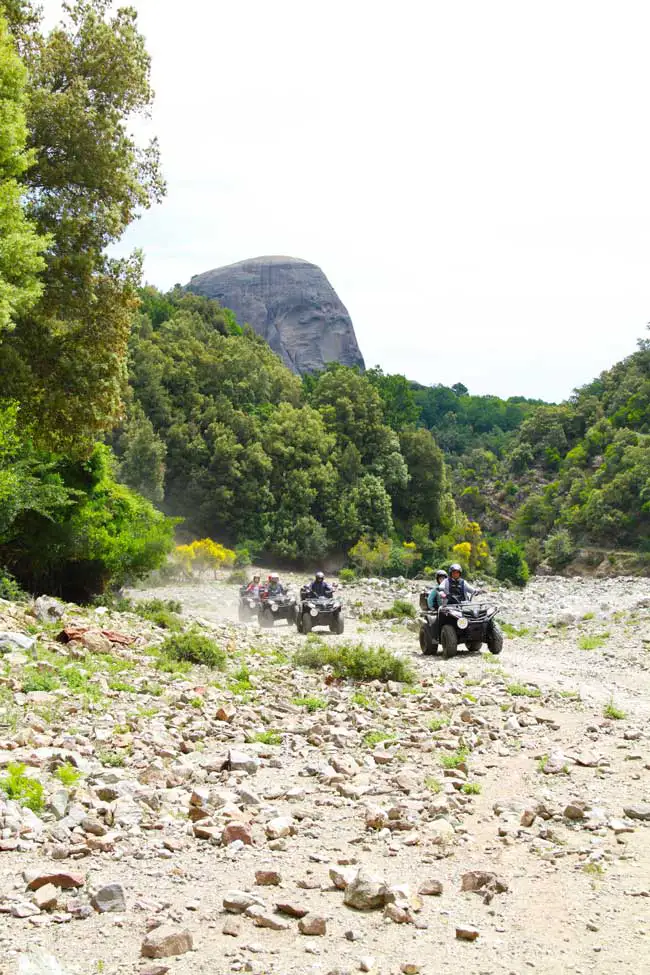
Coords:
449,640
306,623
337,625
427,646
265,620
495,639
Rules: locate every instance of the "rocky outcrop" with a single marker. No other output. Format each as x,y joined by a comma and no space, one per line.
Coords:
291,304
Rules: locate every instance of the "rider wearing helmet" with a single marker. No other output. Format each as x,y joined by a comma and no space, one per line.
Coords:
433,600
253,587
319,587
454,587
273,586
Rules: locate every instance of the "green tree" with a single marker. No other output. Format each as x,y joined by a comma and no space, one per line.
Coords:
423,500
21,247
88,79
511,565
141,455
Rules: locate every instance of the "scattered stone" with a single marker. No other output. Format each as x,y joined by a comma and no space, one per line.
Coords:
366,892
232,927
46,897
292,910
238,901
237,831
267,878
39,962
409,968
431,888
66,881
109,898
312,924
640,810
166,941
466,933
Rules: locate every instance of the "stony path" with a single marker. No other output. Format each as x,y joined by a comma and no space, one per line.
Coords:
502,775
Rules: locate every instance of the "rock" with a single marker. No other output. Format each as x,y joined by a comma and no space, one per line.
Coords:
441,831
527,818
312,924
45,897
476,880
109,898
640,810
279,827
366,892
291,304
47,609
241,762
10,640
397,913
466,933
342,877
237,831
231,927
39,962
574,811
409,968
367,963
66,881
238,901
96,642
267,878
225,713
166,941
431,888
292,910
263,920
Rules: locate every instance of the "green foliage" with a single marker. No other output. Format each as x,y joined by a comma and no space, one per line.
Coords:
67,774
559,549
512,631
611,711
142,456
268,737
111,759
523,690
77,530
162,612
311,703
355,662
88,79
401,609
10,589
347,575
194,647
433,785
454,759
511,565
592,642
437,724
372,738
22,788
471,788
21,247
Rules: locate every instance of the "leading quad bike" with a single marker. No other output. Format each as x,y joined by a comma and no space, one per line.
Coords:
319,611
469,623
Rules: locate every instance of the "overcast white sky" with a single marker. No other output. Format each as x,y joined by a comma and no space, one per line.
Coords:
473,177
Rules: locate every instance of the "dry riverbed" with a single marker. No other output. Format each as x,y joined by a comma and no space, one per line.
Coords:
492,817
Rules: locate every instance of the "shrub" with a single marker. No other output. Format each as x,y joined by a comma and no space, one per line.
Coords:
237,577
193,647
347,575
39,680
356,662
162,612
67,774
372,738
268,737
611,711
22,788
9,588
455,759
534,553
401,609
511,565
523,690
471,788
559,549
312,703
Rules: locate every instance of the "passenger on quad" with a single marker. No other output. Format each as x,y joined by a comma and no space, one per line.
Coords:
455,588
433,599
253,587
274,587
319,587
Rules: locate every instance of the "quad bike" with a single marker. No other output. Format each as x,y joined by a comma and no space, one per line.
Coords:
248,605
276,606
468,623
319,611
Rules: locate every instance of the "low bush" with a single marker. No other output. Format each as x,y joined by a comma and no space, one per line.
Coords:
67,774
162,612
195,648
22,788
401,609
511,565
355,662
9,588
347,575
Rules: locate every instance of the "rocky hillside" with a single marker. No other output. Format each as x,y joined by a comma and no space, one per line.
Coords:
291,304
156,815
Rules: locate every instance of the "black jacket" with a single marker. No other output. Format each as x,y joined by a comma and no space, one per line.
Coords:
321,588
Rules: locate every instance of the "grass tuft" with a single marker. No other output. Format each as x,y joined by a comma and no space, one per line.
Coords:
611,711
22,788
311,703
523,690
355,662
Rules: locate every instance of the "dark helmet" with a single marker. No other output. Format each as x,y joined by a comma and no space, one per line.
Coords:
440,574
455,567
320,576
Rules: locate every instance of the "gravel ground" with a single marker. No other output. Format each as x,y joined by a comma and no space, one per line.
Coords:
502,774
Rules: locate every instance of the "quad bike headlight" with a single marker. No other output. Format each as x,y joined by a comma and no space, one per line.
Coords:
274,607
314,611
462,623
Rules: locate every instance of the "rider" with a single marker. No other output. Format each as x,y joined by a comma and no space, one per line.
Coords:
273,586
433,599
455,588
253,587
319,587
